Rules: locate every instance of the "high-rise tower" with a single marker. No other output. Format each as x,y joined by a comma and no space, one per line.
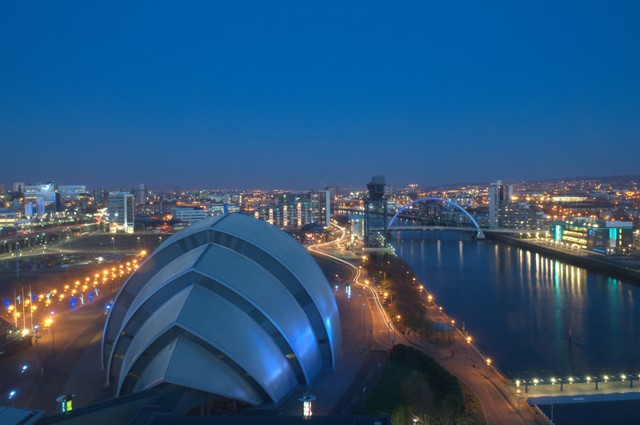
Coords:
499,203
376,221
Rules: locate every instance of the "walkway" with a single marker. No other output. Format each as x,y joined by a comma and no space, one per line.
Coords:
499,400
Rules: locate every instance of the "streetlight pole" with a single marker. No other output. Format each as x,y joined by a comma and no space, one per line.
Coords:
364,320
36,329
49,323
17,256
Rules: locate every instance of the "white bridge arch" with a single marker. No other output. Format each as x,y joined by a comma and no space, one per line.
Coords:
479,234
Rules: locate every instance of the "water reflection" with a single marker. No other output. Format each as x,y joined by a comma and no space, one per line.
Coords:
528,311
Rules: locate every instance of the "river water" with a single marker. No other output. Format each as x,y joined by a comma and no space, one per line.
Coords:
532,314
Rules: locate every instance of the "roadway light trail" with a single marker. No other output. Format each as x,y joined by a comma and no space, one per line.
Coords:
497,403
388,324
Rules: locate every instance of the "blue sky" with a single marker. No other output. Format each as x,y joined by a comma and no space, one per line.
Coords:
299,95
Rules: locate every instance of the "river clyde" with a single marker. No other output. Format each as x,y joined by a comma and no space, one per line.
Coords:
532,314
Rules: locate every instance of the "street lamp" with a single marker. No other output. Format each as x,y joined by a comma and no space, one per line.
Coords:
17,257
113,243
49,324
12,395
307,412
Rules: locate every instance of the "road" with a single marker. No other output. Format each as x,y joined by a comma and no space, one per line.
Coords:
498,399
58,364
74,368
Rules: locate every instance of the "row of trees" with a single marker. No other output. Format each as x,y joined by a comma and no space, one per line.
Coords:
396,278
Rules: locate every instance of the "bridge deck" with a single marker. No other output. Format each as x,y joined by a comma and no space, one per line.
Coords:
580,392
583,398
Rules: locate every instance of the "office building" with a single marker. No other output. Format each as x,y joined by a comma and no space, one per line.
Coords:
68,192
141,194
19,186
121,212
39,199
188,215
376,220
609,237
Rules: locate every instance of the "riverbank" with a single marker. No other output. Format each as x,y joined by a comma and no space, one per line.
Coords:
590,261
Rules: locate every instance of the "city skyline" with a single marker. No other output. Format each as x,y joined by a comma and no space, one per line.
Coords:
110,187
258,96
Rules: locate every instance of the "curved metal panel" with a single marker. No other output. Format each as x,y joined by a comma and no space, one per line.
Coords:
255,275
188,364
226,328
258,290
290,254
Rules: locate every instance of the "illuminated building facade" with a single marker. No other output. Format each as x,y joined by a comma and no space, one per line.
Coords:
321,207
8,217
500,206
598,235
189,215
121,212
39,199
76,191
231,307
295,211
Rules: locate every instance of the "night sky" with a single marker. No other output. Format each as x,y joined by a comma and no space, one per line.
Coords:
304,94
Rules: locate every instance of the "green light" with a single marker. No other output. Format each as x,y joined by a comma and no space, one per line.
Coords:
558,233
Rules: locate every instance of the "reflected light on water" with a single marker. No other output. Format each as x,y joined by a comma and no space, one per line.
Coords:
530,312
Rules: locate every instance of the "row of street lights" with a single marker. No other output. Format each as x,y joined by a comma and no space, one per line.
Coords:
571,380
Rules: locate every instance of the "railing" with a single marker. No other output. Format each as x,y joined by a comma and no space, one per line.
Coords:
540,416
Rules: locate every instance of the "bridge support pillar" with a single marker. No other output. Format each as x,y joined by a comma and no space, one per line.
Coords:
596,384
630,383
561,384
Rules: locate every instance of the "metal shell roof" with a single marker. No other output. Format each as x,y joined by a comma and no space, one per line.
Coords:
232,296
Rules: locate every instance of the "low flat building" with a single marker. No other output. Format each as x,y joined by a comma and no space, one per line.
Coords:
188,215
609,237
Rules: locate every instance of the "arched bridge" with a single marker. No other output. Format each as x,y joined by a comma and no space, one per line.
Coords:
479,232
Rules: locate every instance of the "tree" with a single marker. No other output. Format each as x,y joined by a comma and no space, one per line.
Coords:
417,394
399,415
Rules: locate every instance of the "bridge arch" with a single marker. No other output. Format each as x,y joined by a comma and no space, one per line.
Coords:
480,233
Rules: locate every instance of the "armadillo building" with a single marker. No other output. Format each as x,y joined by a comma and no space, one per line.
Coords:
231,307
